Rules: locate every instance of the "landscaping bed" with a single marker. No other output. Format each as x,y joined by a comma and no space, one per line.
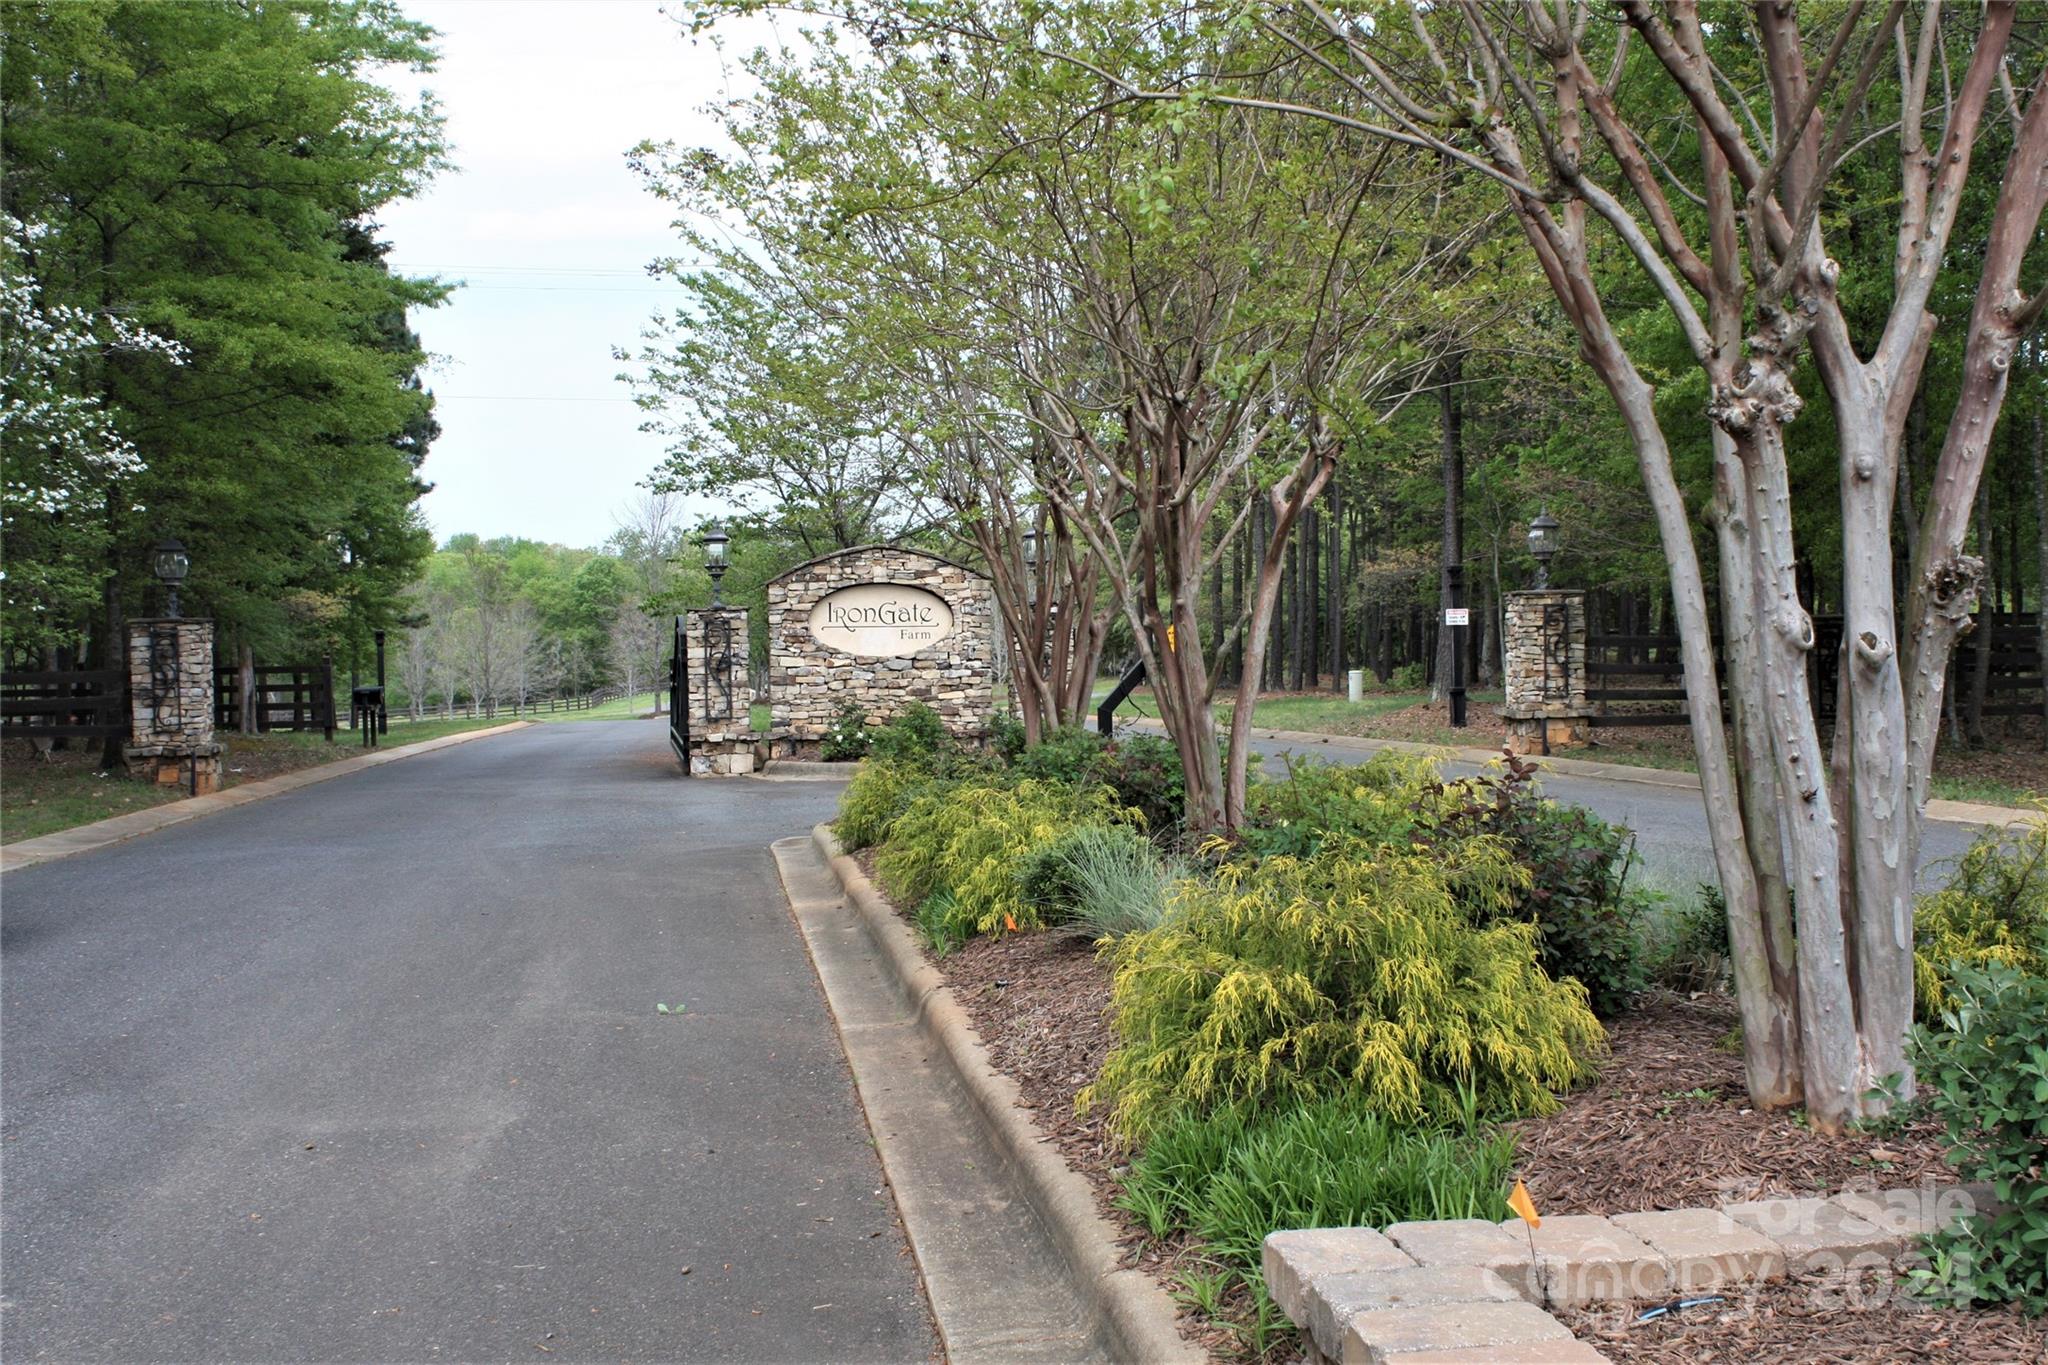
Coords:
1668,1125
1812,1320
1383,1001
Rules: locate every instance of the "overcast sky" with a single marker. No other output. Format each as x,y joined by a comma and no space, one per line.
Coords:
550,234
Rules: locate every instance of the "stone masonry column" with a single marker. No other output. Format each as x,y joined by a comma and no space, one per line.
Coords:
170,690
717,702
1546,706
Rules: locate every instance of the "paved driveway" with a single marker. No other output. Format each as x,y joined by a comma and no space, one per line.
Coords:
374,1071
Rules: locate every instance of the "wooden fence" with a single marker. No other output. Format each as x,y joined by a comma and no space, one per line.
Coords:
74,704
532,706
287,697
1635,679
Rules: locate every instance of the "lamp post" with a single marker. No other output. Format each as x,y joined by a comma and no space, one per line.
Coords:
1543,541
715,540
170,563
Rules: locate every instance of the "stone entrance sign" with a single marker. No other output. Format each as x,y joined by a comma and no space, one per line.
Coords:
880,620
881,627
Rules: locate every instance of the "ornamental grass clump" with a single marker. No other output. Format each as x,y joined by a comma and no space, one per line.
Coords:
1356,971
968,838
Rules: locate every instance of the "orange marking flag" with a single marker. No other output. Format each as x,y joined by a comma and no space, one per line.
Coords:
1522,1204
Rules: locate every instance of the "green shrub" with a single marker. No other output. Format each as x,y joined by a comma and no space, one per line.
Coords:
1107,880
1146,772
969,837
1995,909
1355,971
917,736
846,738
1987,1064
1068,754
1408,677
1006,736
871,803
1387,800
1588,922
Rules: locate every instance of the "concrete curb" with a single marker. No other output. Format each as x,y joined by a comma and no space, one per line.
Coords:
120,828
1954,812
1138,1314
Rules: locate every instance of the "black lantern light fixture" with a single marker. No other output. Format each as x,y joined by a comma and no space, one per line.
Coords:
1543,542
715,540
170,563
1031,550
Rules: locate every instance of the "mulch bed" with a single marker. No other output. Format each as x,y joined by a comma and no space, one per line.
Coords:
1669,1125
1826,1320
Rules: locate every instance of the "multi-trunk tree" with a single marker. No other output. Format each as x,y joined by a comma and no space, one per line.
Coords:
1559,112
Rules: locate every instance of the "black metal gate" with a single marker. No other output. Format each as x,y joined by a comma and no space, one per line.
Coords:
678,708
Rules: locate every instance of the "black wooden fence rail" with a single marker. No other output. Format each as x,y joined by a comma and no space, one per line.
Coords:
71,704
1645,674
296,697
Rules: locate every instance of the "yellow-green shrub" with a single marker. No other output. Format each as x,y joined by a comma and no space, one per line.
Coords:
967,838
1995,909
1352,972
879,792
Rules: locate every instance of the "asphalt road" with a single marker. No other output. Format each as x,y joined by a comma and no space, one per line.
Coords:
1669,822
373,1071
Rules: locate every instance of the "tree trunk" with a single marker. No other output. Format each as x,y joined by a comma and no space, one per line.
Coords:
1987,617
245,687
1451,449
2041,562
1335,587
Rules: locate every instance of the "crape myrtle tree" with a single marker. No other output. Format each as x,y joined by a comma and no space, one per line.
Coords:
1167,319
1563,109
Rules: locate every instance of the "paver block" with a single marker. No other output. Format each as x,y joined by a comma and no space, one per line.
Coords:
1583,1259
1911,1213
1471,1241
1383,1335
1292,1259
1333,1300
1526,1353
1817,1234
1706,1248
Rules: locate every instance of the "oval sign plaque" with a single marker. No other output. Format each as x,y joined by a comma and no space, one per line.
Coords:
880,620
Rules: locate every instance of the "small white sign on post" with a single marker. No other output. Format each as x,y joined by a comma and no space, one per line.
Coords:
1457,616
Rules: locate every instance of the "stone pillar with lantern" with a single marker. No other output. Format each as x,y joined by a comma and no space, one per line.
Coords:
1544,674
170,688
717,703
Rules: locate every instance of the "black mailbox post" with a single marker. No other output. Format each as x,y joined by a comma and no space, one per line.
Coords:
366,709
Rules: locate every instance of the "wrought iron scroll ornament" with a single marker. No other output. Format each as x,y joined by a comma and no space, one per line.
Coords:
718,661
165,693
1557,651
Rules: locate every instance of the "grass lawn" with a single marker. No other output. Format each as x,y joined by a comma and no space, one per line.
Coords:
623,709
41,797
